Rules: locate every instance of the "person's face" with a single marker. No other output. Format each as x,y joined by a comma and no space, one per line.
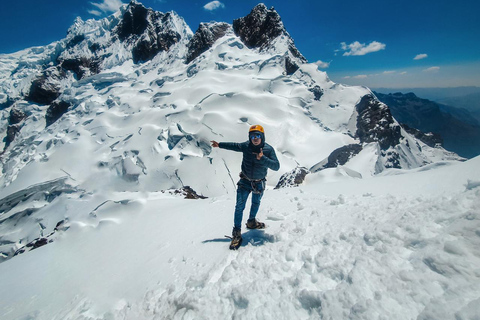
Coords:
256,139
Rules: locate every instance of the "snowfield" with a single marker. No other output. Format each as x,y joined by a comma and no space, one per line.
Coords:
404,245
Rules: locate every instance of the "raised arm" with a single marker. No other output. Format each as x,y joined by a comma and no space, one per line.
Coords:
233,146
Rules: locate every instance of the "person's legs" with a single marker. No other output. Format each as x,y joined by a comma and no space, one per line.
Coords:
242,196
256,198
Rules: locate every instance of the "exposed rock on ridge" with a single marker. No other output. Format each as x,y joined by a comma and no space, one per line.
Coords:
16,116
260,28
338,157
205,37
430,139
55,111
375,123
293,178
149,31
47,87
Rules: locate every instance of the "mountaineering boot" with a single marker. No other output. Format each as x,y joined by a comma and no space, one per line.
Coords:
254,224
236,239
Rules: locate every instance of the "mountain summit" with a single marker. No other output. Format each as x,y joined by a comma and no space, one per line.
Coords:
129,103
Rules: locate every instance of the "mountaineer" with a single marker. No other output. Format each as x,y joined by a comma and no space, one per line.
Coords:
258,156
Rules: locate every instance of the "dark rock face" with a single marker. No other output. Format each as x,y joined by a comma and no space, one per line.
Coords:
75,40
290,66
317,92
134,21
204,38
341,155
81,66
55,111
16,116
293,178
375,123
12,132
46,88
430,139
188,193
148,30
261,27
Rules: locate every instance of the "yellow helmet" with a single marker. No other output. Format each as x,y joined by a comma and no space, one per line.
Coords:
256,127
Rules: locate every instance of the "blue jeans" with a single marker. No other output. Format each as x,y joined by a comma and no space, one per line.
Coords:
244,189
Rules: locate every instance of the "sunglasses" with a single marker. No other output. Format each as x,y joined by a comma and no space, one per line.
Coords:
255,136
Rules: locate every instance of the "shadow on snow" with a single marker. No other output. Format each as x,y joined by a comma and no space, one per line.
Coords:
254,237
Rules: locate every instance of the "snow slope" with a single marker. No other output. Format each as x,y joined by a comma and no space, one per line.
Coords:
401,246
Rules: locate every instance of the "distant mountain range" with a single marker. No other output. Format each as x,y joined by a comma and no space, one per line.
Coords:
458,97
458,127
434,94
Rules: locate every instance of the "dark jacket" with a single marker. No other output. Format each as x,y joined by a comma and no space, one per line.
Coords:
251,167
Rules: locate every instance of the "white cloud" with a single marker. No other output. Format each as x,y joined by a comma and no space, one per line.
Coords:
404,72
95,12
432,69
388,72
322,64
361,76
107,6
360,49
214,5
420,56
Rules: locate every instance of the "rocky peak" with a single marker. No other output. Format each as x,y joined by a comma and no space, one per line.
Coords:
134,21
261,27
375,123
150,32
205,37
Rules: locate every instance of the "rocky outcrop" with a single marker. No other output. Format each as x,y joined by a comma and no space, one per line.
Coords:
81,66
149,31
14,125
12,132
16,116
46,88
338,157
430,139
55,111
375,123
261,28
293,178
188,193
317,92
205,37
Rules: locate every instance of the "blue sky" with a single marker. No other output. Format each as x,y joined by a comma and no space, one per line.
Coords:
396,44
